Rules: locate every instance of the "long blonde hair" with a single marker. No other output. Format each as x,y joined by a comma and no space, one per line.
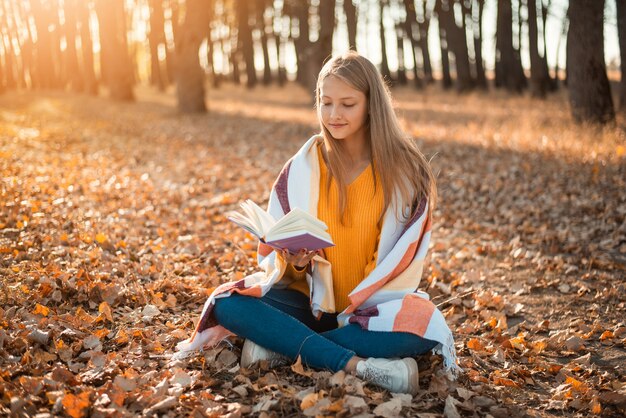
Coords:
394,155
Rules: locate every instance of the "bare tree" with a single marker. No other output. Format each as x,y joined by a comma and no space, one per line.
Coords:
189,74
621,31
90,84
156,38
539,78
481,80
351,21
413,33
589,90
117,70
73,72
506,66
423,22
384,63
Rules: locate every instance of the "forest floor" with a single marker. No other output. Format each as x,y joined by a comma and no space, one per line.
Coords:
112,233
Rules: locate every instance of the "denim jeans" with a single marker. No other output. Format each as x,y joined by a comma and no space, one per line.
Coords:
282,321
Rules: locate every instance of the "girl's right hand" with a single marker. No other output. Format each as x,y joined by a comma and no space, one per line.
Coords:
300,259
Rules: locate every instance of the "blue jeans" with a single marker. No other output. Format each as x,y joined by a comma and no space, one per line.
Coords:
282,322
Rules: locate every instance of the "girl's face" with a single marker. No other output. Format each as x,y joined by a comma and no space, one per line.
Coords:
343,108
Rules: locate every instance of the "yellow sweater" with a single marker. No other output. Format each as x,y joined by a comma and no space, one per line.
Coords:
354,255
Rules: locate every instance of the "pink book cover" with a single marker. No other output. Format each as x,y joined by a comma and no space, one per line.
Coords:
295,244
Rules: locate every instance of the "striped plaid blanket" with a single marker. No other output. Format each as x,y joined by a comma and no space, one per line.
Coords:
386,300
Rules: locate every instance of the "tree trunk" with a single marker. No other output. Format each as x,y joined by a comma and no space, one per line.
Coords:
73,73
156,37
244,40
86,44
215,79
402,80
351,21
384,64
118,71
539,81
506,66
189,75
261,6
280,42
589,90
457,41
544,59
46,67
423,27
303,45
621,32
443,43
412,33
481,79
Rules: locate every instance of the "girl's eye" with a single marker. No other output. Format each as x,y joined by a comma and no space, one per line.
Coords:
349,105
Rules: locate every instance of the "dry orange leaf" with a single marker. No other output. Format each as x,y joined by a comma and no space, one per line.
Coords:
76,406
309,400
101,238
297,368
503,381
606,335
475,344
41,310
577,385
105,310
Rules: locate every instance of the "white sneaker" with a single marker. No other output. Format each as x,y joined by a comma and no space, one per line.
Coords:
253,353
397,376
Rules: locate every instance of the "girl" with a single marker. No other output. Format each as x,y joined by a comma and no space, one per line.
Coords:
355,306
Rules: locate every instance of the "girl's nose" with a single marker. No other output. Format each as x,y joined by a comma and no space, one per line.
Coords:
334,112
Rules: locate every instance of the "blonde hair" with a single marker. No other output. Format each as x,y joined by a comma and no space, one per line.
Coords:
394,155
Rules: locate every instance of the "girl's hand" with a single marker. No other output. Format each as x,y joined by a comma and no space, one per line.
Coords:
299,259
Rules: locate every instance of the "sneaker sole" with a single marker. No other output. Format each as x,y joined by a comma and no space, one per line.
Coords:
414,378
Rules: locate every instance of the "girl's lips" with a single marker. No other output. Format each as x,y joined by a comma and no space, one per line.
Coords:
337,125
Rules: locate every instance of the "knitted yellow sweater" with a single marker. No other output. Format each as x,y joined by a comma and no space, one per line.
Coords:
354,255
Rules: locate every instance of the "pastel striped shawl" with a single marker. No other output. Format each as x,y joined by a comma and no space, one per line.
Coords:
386,300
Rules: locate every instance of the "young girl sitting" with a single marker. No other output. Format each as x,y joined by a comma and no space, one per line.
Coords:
354,306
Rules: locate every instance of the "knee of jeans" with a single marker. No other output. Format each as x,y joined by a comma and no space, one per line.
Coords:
223,306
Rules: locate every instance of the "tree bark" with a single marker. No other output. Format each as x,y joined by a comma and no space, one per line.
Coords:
351,21
73,73
481,79
244,40
544,58
412,32
156,37
188,72
90,83
402,80
446,79
117,68
589,90
303,45
539,81
423,23
47,73
506,66
621,32
457,41
384,64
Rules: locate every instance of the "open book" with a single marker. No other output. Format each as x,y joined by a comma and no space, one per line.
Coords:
294,231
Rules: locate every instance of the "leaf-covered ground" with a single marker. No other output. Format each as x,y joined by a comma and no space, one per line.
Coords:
112,233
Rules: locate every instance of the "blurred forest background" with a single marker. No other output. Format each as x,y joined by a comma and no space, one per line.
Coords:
129,128
82,45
